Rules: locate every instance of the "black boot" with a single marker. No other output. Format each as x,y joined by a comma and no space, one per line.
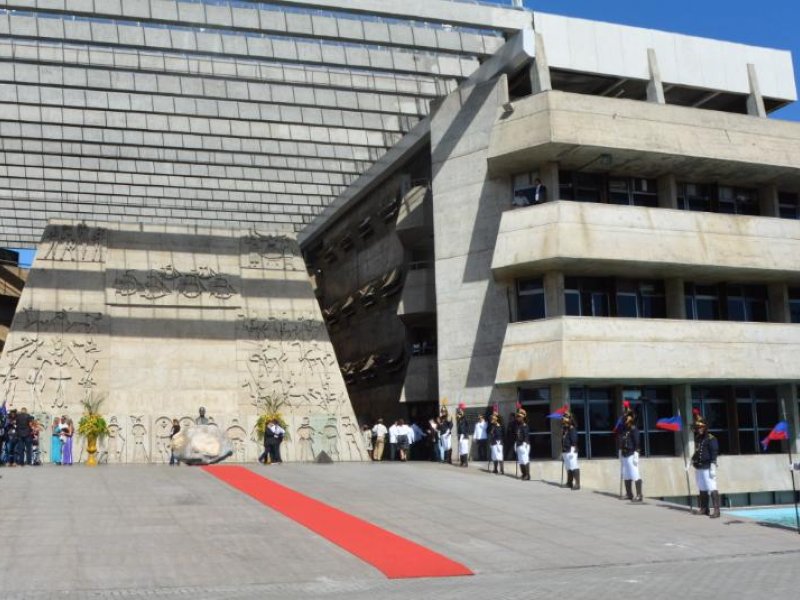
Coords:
502,468
715,503
528,472
448,456
628,491
569,478
639,497
702,509
495,467
577,477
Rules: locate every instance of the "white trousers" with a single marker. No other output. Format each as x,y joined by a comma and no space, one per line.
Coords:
497,452
570,460
704,481
463,445
446,442
523,453
629,470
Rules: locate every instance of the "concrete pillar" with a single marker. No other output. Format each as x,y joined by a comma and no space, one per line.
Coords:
655,89
554,295
787,394
559,396
539,69
682,403
548,173
755,102
768,201
674,292
668,191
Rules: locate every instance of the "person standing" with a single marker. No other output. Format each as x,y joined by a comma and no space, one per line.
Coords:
419,436
201,419
278,433
24,438
67,431
445,436
404,436
704,461
55,442
463,437
496,443
432,440
176,428
380,432
569,450
479,436
366,434
629,447
522,446
393,441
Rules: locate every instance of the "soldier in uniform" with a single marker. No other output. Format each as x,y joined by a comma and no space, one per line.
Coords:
704,461
496,442
569,451
522,445
463,436
629,447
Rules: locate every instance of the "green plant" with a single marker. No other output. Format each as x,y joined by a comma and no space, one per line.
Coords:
92,424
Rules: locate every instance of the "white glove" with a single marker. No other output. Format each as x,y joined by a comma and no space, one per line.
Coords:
712,471
572,450
791,466
635,459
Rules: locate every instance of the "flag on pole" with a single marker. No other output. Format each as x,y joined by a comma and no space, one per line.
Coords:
559,414
779,432
670,424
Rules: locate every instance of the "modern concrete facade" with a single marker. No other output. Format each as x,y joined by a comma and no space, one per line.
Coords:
226,113
662,267
161,320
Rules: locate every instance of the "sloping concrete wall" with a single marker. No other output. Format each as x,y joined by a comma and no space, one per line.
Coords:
160,320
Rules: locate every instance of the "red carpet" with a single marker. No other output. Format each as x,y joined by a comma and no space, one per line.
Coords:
394,556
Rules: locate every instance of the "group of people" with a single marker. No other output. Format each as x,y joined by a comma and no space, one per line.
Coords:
399,437
21,437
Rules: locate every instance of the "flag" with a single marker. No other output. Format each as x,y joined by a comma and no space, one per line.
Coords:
618,426
670,424
779,432
559,414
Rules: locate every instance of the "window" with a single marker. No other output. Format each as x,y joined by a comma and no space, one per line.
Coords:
712,403
587,296
695,196
608,297
633,191
524,192
794,305
702,302
583,187
747,303
757,413
594,411
536,403
788,205
641,299
651,404
530,299
738,201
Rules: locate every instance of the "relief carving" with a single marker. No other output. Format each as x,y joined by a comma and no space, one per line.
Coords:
74,243
267,251
155,284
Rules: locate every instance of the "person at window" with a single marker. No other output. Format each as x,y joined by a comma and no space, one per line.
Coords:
479,435
539,192
629,447
522,447
201,417
704,461
496,442
463,437
380,432
569,450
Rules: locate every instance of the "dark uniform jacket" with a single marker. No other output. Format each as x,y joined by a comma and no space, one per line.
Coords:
521,433
705,452
629,441
495,434
569,439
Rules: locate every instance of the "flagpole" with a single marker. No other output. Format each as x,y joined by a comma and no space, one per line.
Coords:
791,462
686,463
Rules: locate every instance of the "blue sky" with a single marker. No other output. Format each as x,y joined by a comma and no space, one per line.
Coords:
774,24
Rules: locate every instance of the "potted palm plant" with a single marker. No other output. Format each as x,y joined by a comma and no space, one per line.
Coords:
92,426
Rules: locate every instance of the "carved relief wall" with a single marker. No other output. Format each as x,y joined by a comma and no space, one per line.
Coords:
159,321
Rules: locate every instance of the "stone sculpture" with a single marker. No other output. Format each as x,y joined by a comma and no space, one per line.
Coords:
201,445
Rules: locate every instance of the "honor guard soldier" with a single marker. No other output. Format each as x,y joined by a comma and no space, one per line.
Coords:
522,446
463,436
496,442
704,461
569,450
629,447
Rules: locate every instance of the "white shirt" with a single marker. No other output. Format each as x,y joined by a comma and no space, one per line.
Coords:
379,430
393,434
479,432
406,431
277,429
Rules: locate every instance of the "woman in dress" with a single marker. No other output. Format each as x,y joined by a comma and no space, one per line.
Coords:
66,440
55,442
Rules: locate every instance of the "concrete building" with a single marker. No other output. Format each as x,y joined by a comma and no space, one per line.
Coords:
658,262
12,280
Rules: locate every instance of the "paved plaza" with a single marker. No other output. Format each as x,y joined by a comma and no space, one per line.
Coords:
160,532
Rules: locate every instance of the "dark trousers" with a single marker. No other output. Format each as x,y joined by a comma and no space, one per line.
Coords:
272,452
482,450
392,451
24,450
